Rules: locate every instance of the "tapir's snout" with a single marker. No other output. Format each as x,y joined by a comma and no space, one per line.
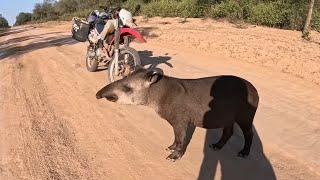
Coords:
107,93
98,95
101,93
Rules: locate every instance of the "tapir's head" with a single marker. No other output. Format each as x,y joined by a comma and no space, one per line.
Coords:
132,89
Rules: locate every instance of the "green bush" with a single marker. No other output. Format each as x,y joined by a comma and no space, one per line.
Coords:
3,22
67,6
130,5
280,14
164,8
296,15
227,9
45,11
169,8
23,18
83,14
315,24
189,8
272,14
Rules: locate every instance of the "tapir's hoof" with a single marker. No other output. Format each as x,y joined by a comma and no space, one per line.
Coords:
243,154
168,149
171,148
176,155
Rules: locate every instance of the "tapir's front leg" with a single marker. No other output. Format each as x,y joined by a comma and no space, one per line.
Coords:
174,144
180,132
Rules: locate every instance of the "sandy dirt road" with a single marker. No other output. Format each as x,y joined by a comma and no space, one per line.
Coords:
52,126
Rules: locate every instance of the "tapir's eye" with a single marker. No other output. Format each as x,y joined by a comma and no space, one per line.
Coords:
126,89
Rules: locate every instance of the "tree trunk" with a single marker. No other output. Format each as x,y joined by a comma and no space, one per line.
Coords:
305,32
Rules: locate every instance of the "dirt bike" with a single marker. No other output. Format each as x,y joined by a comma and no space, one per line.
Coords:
121,61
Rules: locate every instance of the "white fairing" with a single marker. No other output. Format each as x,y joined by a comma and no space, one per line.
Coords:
126,17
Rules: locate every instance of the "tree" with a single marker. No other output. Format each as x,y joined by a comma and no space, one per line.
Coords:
3,22
23,18
45,10
67,6
306,29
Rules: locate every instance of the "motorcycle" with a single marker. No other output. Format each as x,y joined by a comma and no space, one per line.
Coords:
116,54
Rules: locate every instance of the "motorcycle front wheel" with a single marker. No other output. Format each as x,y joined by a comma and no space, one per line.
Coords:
91,61
128,60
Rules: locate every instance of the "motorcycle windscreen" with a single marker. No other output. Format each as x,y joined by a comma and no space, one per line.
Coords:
92,18
99,25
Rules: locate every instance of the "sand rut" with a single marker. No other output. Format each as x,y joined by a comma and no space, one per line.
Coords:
48,141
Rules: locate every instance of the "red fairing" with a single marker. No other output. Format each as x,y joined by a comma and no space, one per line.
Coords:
132,32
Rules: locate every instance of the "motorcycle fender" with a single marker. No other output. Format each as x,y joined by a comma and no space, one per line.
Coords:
132,32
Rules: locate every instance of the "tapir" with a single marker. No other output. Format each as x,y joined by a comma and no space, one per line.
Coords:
209,102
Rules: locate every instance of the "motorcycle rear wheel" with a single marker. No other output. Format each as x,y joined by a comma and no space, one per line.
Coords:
128,60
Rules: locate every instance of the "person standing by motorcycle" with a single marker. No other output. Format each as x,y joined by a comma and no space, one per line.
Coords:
114,50
111,24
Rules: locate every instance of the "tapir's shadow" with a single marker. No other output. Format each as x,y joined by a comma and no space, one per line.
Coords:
255,166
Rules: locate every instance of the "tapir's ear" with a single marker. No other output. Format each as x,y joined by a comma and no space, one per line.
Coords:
153,76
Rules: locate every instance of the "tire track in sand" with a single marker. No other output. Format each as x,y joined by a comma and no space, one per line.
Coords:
49,149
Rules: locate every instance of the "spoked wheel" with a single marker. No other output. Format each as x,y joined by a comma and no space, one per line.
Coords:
91,60
128,61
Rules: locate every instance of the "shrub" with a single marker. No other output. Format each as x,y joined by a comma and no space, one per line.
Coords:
296,15
315,24
272,14
83,14
164,8
23,18
287,14
189,8
167,8
130,5
3,22
67,6
45,11
227,9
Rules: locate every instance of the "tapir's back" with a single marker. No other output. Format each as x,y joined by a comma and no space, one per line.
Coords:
215,101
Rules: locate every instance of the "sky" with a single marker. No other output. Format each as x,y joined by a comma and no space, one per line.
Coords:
11,8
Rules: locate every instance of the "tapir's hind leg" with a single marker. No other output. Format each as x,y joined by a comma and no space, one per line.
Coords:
227,133
245,120
248,135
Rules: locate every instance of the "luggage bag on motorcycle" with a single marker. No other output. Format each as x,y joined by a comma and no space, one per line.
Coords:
80,29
